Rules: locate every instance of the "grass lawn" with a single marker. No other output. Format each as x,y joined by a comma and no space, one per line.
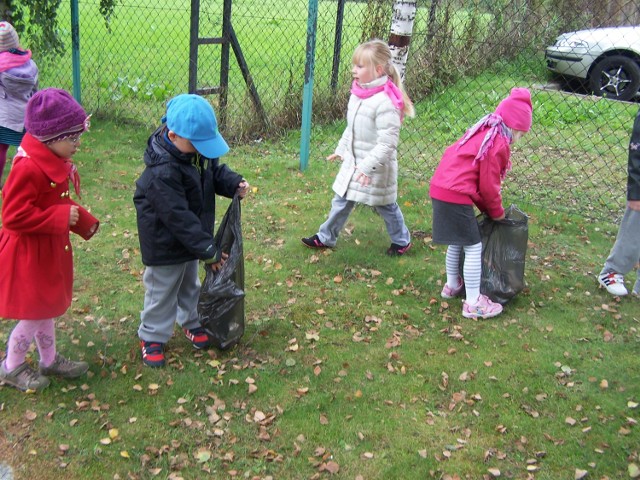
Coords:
352,366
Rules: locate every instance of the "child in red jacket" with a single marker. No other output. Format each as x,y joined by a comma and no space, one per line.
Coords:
36,277
470,173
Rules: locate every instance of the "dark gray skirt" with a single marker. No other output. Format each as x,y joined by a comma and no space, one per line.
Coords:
454,224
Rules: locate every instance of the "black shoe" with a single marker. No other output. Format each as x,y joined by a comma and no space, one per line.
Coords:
314,242
396,250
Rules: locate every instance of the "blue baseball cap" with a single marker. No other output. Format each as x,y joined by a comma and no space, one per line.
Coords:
192,117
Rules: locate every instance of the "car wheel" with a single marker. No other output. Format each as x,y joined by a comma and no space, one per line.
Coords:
616,77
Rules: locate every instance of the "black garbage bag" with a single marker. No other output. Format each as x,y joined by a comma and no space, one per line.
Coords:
221,303
504,248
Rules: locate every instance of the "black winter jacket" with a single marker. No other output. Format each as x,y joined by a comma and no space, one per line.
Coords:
633,178
175,202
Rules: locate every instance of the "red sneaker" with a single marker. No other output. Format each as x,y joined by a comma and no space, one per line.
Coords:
198,337
152,353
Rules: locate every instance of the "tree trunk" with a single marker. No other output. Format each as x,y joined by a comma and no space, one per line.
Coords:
404,13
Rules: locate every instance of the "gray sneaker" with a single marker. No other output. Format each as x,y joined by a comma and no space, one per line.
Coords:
23,378
62,367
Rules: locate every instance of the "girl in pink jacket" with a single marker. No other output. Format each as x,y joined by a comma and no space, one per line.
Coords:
470,173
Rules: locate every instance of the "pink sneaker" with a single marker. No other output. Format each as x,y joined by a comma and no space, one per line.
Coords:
484,308
448,292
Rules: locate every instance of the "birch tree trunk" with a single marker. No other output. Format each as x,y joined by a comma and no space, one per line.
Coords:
404,13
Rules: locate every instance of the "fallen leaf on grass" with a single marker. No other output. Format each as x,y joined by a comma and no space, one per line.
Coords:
580,474
331,467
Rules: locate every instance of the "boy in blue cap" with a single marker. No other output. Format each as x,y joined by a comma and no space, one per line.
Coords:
175,206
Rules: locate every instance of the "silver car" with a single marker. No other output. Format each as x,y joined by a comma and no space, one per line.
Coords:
605,59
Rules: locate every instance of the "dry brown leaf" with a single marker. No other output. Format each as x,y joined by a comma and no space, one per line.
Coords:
331,467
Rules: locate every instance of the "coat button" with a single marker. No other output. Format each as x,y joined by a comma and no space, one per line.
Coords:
66,248
53,184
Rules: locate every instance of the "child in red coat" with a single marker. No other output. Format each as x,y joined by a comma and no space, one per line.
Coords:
36,277
471,173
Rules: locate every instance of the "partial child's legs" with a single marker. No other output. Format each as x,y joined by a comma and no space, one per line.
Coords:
188,295
623,256
160,311
472,271
626,250
3,158
394,221
476,305
43,331
338,215
452,265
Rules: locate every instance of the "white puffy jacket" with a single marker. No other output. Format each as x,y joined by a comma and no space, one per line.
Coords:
369,145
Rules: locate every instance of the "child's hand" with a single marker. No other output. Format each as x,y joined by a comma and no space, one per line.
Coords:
334,156
243,188
218,265
363,179
74,215
497,219
634,204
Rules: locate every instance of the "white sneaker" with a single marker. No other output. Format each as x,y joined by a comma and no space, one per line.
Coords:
614,283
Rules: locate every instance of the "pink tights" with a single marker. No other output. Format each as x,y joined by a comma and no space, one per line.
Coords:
23,334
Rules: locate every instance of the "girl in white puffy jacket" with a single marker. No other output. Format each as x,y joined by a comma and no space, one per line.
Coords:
368,149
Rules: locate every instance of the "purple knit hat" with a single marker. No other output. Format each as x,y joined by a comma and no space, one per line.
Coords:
53,114
8,37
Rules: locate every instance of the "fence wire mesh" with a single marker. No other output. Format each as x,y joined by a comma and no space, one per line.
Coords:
464,57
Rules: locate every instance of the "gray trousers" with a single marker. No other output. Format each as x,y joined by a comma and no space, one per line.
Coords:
625,253
171,296
341,209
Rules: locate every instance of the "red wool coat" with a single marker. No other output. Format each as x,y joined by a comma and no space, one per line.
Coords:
36,259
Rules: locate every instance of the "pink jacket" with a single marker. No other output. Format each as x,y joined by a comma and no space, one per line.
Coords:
458,179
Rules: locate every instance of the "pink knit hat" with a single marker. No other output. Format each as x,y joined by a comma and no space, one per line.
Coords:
53,114
8,37
516,109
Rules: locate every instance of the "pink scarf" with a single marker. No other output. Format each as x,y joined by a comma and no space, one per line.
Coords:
10,60
496,127
390,88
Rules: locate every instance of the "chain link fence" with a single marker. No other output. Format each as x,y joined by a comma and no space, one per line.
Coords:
464,57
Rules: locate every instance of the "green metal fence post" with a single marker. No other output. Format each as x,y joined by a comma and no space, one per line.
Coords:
75,50
307,92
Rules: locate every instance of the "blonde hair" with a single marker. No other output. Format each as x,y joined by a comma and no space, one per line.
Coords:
376,53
